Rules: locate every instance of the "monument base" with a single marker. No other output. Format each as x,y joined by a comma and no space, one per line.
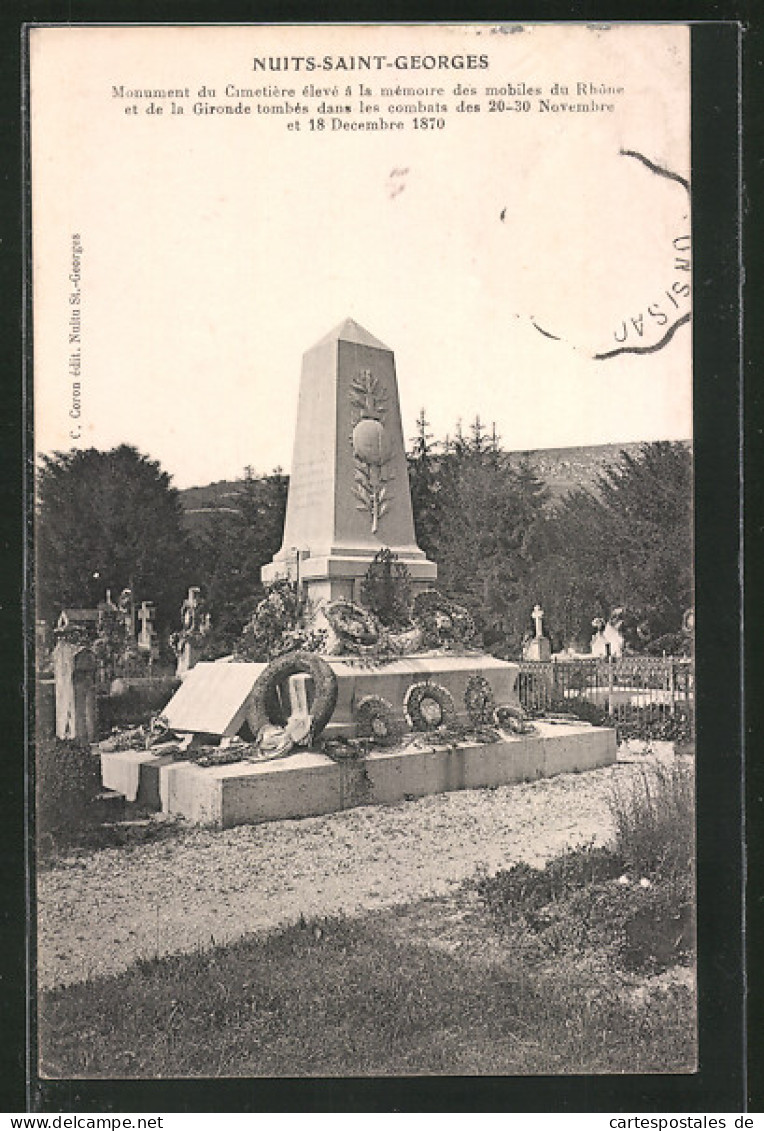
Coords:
214,697
339,576
308,784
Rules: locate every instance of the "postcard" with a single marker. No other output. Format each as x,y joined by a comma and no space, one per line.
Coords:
363,424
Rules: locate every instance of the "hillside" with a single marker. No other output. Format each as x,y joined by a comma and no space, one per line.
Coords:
562,469
568,469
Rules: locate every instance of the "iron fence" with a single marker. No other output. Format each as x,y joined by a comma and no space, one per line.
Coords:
641,695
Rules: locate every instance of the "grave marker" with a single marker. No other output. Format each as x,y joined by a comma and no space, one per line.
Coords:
147,632
74,669
538,647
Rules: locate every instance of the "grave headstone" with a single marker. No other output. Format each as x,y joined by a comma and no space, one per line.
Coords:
126,606
147,631
607,639
188,609
349,492
538,647
195,622
188,657
74,669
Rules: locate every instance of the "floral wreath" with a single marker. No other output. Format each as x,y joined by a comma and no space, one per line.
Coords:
429,706
479,700
377,719
352,623
264,708
513,719
430,609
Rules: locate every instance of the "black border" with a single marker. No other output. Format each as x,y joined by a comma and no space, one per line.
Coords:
720,1083
753,295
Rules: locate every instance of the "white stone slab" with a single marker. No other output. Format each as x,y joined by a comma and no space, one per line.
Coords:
134,774
212,699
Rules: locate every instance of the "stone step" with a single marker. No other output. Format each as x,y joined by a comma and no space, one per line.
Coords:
307,783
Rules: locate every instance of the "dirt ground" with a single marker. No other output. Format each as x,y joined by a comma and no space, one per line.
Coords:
100,911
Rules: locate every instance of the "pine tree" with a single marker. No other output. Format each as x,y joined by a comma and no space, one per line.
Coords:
489,513
478,443
423,483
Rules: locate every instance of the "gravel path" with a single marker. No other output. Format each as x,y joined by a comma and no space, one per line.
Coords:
98,912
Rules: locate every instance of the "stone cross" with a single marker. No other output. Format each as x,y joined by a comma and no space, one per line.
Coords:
188,609
538,647
127,609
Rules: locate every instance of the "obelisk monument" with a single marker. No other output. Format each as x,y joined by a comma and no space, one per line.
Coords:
349,490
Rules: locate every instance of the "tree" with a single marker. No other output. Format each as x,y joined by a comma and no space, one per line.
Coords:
235,548
488,517
108,520
500,548
386,589
423,484
625,543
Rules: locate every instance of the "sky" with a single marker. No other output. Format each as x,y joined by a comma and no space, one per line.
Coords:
496,256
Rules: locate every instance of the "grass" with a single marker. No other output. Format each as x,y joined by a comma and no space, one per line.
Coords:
655,823
568,968
344,998
631,901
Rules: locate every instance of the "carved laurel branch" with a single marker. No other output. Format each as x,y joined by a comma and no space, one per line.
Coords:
373,498
368,396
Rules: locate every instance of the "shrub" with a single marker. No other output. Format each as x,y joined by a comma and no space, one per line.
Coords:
386,590
584,710
135,703
654,722
277,626
538,699
640,927
514,892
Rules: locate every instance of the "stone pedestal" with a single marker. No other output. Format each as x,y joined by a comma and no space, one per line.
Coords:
307,783
348,490
187,658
